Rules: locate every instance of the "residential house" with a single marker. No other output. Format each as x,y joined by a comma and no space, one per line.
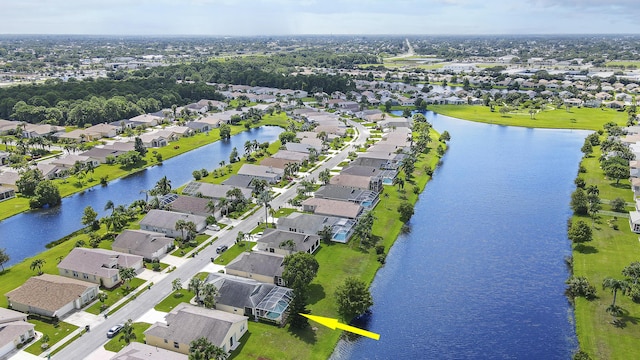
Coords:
146,120
148,244
365,198
7,126
121,146
240,181
270,174
186,323
101,154
382,160
165,222
154,140
278,163
377,175
213,191
69,161
310,224
40,130
277,241
634,221
337,208
78,135
51,295
99,266
15,331
302,148
262,267
105,130
357,181
8,179
291,155
186,204
139,351
7,193
237,295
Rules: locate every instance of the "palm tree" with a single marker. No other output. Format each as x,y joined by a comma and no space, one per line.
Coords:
127,332
37,264
126,274
203,349
110,205
615,285
211,206
196,286
182,226
191,228
209,293
163,186
324,176
265,198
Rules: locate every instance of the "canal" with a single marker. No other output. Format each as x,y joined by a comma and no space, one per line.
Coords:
26,234
481,274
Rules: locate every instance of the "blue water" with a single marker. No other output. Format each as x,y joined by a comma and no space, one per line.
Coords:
481,275
26,234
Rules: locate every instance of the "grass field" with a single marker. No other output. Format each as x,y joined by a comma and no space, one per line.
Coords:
115,344
114,295
575,118
233,252
55,334
609,252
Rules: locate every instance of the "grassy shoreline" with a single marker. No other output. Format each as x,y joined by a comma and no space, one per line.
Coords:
69,186
575,118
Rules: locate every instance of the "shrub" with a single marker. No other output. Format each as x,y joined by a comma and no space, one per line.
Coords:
382,258
579,286
379,249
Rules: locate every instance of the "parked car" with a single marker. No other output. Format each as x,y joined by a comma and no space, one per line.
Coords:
213,227
114,330
222,248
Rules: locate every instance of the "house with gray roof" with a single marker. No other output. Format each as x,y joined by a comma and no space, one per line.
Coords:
284,242
365,198
377,175
237,295
51,295
311,224
213,191
15,331
139,351
382,160
337,208
188,205
148,244
301,148
186,323
240,181
165,222
99,266
260,266
101,154
8,179
291,155
270,174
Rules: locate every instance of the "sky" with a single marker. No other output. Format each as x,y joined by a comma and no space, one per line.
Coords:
294,17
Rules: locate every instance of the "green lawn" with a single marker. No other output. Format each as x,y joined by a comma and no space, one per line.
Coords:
185,250
174,299
233,252
114,295
606,256
55,334
576,118
115,344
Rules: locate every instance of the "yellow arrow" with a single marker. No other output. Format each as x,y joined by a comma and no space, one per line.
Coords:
334,324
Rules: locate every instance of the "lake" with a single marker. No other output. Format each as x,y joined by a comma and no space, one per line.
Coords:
481,275
26,234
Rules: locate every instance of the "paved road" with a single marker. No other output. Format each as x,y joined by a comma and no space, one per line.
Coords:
148,299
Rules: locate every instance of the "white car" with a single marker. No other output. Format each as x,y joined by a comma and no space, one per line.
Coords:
213,227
